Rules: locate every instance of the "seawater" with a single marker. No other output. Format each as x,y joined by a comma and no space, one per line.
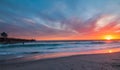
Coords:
55,46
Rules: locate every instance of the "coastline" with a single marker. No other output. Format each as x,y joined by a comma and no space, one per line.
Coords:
104,61
14,40
33,57
88,60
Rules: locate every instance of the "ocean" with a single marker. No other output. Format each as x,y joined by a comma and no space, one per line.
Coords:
46,47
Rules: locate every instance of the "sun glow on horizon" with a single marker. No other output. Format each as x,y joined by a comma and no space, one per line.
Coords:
108,37
110,51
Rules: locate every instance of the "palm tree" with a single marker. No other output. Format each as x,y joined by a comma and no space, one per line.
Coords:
4,35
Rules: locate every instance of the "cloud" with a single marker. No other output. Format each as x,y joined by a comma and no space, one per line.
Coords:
117,25
63,18
2,21
27,20
104,21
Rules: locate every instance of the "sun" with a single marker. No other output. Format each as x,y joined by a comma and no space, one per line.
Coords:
110,51
108,37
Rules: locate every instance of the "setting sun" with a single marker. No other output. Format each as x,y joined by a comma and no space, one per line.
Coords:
108,37
110,51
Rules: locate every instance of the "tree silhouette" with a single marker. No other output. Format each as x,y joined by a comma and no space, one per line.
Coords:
4,35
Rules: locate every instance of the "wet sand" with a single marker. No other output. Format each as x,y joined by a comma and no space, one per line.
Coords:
104,61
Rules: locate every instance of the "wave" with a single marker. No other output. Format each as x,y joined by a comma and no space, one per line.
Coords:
52,47
41,44
16,53
26,45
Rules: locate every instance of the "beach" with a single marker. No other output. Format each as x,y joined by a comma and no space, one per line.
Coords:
59,35
71,55
99,61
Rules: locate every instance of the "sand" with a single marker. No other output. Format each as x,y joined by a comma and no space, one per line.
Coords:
104,61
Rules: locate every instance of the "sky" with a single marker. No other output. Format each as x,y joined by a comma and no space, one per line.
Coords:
60,19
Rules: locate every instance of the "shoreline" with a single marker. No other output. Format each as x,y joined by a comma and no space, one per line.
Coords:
105,61
34,57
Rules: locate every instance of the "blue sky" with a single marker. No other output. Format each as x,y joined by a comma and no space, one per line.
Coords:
58,19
